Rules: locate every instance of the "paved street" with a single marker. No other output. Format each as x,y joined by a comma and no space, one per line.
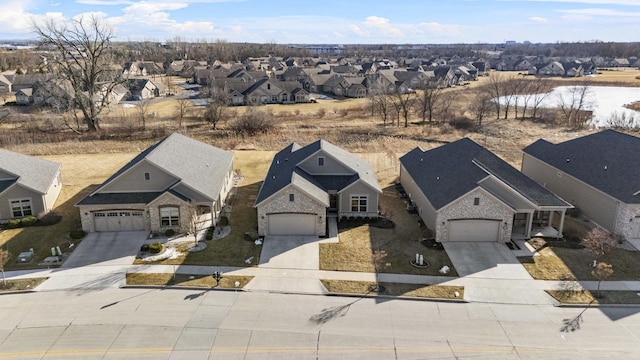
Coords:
188,324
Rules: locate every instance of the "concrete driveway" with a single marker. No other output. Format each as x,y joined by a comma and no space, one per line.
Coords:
485,260
107,248
290,252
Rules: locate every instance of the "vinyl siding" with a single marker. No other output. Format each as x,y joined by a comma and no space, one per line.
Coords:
331,166
426,211
19,192
593,203
359,188
133,180
52,193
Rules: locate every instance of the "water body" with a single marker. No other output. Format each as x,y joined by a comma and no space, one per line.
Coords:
606,102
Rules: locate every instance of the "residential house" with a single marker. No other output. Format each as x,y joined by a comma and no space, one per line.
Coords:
24,96
5,85
167,186
29,186
306,184
142,89
599,174
553,68
463,192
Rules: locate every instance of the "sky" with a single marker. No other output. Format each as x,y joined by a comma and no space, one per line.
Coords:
339,21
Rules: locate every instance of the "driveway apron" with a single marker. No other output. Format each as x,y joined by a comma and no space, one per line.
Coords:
107,248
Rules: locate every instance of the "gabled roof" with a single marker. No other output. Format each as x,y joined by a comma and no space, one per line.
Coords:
452,170
607,160
200,166
284,170
32,172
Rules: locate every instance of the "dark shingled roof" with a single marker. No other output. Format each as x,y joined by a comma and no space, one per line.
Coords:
607,160
450,171
284,168
4,184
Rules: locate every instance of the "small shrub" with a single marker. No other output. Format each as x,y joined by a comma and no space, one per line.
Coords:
77,234
462,123
321,113
155,247
13,224
144,247
169,233
209,235
51,218
28,221
343,112
224,221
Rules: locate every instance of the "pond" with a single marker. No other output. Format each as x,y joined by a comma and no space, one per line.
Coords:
606,102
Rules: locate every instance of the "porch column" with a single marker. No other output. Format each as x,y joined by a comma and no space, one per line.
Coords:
551,218
561,226
529,225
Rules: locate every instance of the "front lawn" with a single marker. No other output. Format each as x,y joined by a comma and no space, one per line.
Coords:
233,249
204,281
586,297
395,248
394,289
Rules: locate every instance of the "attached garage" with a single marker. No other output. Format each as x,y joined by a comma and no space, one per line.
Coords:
118,220
474,230
291,224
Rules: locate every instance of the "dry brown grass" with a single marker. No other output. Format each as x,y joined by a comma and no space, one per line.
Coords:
359,242
80,174
586,297
204,281
21,284
557,262
234,249
394,289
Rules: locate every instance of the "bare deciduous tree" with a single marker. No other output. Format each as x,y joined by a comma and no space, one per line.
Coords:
183,109
144,113
4,256
599,242
403,102
481,107
602,272
573,105
84,55
428,99
216,107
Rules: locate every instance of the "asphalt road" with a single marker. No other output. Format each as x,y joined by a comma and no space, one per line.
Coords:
191,324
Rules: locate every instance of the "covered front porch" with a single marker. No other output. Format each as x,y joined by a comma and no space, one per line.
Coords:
547,223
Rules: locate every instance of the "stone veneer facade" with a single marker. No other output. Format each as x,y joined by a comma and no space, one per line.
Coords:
627,218
463,208
303,204
168,200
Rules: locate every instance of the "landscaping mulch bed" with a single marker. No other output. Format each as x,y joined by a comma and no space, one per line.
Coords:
394,289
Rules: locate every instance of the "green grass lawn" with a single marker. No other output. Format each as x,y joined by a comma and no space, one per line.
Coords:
398,246
394,289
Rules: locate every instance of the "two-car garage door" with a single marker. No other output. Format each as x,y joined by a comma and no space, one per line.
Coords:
474,230
291,224
118,220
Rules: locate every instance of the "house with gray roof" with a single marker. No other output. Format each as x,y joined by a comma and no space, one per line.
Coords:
164,187
599,174
306,184
29,186
464,192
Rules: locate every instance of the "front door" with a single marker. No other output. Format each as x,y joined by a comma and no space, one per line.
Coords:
333,202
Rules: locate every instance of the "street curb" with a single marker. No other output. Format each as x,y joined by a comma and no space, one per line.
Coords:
173,287
12,292
455,301
581,306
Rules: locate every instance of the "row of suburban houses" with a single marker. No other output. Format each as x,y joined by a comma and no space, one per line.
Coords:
460,190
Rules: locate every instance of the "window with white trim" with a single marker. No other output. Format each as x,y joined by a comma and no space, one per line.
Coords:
170,216
359,203
21,208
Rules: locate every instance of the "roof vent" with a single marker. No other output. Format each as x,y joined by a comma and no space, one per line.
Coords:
437,178
277,162
273,177
605,167
421,159
568,160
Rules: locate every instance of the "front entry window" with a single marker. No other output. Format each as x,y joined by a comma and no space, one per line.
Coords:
170,216
21,208
358,203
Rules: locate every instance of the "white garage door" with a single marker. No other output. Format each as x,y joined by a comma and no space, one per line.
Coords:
473,230
292,224
121,220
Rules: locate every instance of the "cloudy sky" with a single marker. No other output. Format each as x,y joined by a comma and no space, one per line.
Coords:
341,21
